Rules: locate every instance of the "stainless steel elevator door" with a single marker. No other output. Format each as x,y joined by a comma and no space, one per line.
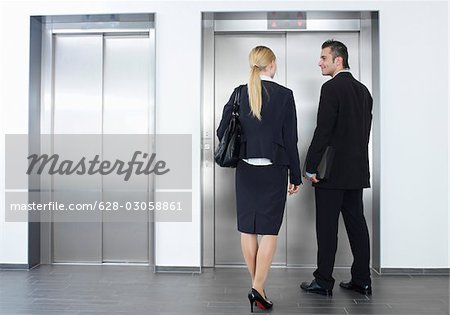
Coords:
305,79
77,109
101,86
297,56
231,70
125,111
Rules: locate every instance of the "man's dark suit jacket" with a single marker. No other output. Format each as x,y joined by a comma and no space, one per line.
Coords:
343,122
275,135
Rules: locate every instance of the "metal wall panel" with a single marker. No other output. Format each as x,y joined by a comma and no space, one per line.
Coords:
232,69
208,136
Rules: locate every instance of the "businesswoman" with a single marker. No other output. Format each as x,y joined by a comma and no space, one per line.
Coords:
268,157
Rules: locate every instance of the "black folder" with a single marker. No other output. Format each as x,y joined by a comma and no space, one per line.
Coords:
324,167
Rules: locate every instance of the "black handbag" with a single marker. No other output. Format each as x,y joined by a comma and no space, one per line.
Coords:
227,152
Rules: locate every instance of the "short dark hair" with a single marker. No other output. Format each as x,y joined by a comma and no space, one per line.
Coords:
338,49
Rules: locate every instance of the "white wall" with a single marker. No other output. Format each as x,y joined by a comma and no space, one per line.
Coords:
414,101
414,123
448,141
14,119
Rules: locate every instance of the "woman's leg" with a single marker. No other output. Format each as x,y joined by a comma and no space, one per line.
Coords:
249,245
266,250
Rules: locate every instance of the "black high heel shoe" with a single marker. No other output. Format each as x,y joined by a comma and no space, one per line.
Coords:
255,298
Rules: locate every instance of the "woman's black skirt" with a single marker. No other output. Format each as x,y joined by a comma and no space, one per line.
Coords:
260,197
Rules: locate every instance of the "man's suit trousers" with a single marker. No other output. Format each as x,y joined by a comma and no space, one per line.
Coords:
329,204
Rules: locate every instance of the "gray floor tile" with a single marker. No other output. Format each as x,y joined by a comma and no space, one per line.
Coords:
114,290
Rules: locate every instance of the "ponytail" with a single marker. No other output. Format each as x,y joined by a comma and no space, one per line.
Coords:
259,58
254,92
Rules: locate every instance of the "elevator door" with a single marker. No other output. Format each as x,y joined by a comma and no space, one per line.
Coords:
101,86
231,70
297,56
305,79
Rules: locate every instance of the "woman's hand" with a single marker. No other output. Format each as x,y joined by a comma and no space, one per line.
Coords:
293,189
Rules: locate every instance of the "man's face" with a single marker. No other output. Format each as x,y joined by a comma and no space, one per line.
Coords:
326,63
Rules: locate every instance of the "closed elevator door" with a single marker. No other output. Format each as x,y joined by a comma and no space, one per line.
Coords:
297,57
101,86
305,79
232,69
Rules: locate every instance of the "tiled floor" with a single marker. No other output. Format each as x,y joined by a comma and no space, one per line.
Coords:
83,290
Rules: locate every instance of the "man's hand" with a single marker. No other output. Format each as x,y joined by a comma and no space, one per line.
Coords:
293,189
314,179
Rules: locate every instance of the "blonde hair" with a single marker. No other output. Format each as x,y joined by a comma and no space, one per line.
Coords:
259,58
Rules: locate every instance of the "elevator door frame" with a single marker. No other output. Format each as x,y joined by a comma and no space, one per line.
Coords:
128,25
254,23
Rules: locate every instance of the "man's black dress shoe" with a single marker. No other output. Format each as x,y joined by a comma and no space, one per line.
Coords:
366,290
314,287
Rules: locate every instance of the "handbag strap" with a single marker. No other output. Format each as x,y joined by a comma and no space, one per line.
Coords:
236,104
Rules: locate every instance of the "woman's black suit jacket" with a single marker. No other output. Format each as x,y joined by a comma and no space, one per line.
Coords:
275,135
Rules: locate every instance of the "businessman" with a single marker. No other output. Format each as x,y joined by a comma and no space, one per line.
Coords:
343,123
